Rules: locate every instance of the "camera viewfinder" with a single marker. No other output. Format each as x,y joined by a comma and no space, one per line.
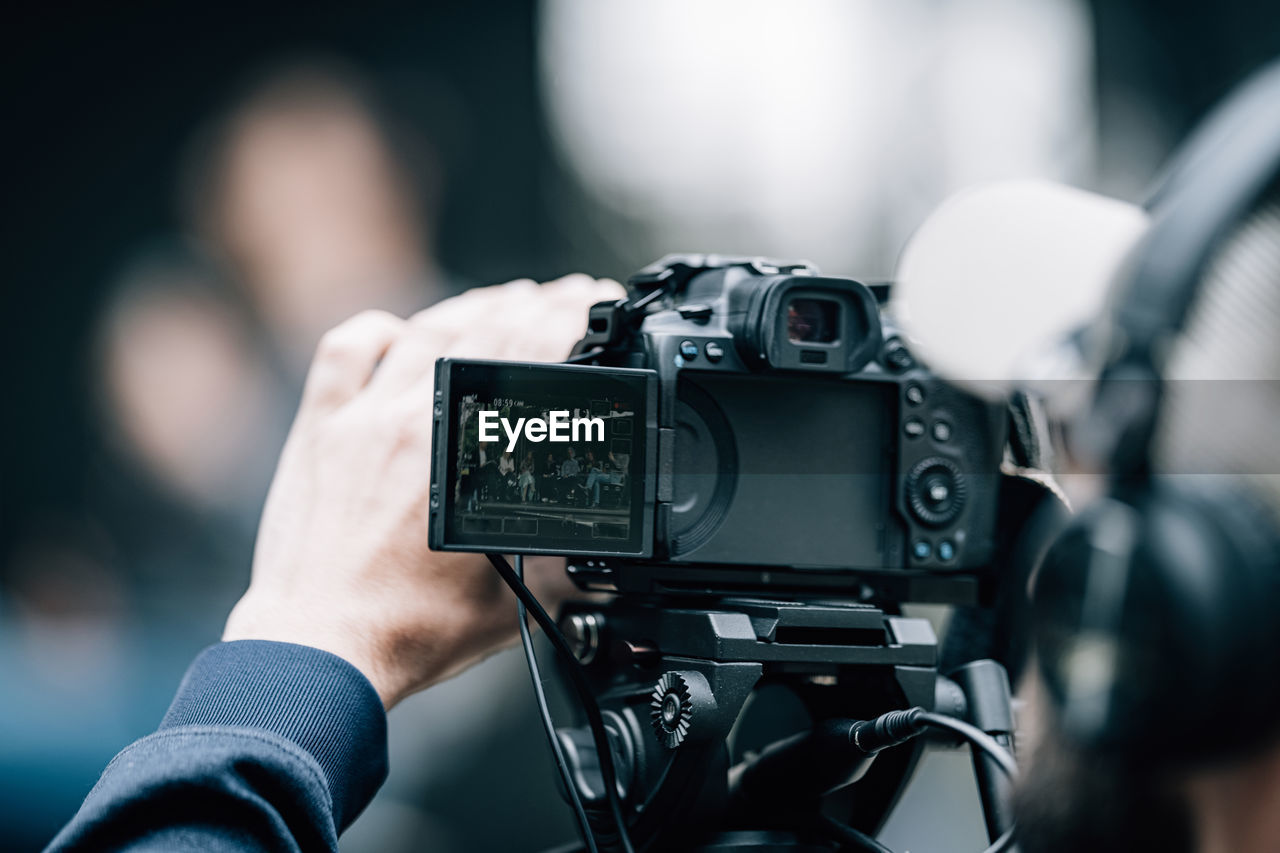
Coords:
813,321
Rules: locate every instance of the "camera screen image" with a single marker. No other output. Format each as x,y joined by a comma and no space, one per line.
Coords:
545,458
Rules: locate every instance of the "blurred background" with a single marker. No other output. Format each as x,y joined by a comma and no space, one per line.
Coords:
194,194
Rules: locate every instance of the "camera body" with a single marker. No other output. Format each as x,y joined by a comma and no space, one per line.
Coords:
781,426
795,428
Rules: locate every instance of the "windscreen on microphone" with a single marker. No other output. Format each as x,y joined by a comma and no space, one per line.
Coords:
997,284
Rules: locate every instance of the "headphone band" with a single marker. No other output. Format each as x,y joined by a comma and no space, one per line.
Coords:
1224,170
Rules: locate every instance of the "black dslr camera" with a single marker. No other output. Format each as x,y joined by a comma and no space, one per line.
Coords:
749,455
747,423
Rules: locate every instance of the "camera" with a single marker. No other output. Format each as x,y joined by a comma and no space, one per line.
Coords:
742,423
748,454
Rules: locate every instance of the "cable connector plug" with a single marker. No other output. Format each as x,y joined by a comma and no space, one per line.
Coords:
886,730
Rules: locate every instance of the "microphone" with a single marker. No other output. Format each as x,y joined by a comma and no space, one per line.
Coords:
998,285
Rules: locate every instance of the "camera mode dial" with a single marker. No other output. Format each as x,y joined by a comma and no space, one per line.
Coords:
935,491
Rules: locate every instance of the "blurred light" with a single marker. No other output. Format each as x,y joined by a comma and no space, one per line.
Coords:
821,129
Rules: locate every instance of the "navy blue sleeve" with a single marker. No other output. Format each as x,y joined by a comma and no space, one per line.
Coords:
266,747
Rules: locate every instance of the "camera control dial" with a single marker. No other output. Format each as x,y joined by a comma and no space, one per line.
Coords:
677,701
936,491
671,709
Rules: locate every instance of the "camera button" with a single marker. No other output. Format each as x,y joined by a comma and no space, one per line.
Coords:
922,550
697,313
713,351
941,431
914,428
915,394
896,356
689,350
946,550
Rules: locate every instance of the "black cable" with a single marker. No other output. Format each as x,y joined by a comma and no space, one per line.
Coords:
893,728
987,744
535,673
589,705
657,786
975,736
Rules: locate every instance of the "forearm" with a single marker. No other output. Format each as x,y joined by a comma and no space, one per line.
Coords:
267,746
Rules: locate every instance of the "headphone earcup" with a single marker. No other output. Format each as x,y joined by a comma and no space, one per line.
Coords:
1154,624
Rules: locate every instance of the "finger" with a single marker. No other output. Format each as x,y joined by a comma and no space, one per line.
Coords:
433,332
346,357
516,321
476,316
610,289
561,322
409,364
546,333
578,287
572,281
472,303
514,299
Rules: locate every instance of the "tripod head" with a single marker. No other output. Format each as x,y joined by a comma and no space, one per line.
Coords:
673,678
667,667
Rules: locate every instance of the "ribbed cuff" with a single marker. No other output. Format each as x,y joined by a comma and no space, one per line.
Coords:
313,698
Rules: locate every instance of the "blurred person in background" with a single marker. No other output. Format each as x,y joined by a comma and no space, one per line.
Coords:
323,201
190,400
302,212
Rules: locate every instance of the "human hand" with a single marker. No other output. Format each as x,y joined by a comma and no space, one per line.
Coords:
341,562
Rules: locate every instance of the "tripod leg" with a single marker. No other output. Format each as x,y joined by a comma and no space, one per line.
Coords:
989,704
